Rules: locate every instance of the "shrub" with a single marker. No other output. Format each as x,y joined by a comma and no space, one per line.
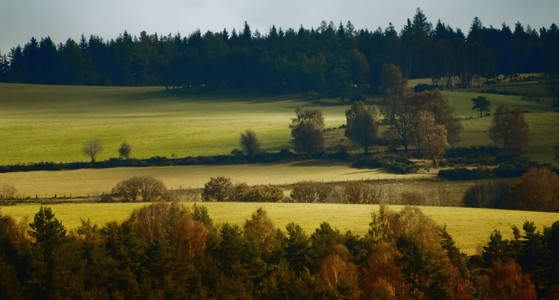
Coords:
390,162
218,189
486,195
310,192
538,189
361,192
267,193
145,188
240,193
7,192
465,174
412,198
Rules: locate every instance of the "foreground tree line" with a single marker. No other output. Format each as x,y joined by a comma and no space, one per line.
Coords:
173,252
330,60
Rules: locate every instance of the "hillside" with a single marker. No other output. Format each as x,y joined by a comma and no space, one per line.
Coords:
50,123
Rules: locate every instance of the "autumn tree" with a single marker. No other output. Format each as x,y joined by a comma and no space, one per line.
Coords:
362,126
338,273
506,281
382,277
481,104
432,138
189,236
509,130
439,107
397,108
250,143
124,150
537,189
92,148
306,130
140,188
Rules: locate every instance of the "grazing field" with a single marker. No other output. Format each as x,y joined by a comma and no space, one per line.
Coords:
470,227
72,183
50,123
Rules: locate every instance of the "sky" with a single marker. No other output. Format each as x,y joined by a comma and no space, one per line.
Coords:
62,19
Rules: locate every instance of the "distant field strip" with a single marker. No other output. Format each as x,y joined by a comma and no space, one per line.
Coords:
90,181
470,227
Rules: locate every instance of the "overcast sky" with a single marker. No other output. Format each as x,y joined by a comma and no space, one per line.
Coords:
61,19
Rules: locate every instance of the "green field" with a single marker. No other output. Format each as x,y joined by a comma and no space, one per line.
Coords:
470,227
50,123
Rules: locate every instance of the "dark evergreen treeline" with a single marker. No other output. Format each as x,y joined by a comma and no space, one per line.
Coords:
171,252
328,59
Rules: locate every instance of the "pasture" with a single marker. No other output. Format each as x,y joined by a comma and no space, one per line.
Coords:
50,123
84,182
470,227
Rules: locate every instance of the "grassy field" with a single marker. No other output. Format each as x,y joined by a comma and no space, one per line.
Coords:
95,181
470,227
50,123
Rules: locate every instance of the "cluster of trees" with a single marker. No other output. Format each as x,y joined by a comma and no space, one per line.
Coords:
536,190
173,252
424,118
329,59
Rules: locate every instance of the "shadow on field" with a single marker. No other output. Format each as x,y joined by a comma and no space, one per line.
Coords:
317,163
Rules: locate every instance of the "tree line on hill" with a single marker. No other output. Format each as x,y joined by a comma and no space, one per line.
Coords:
330,60
168,251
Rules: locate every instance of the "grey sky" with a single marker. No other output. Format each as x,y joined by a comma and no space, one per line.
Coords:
60,19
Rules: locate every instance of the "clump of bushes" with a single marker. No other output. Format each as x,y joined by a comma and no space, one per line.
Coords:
393,163
486,195
7,192
465,173
221,189
412,198
310,192
537,189
360,192
144,188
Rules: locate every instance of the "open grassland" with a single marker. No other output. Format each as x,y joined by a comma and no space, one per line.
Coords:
82,182
470,227
50,123
542,119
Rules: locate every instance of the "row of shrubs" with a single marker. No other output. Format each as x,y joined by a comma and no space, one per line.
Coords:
236,157
507,169
353,192
221,189
153,161
391,162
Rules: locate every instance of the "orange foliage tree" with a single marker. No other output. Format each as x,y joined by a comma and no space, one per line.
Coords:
537,189
506,281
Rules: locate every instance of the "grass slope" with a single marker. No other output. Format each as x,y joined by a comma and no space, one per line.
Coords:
470,227
50,123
